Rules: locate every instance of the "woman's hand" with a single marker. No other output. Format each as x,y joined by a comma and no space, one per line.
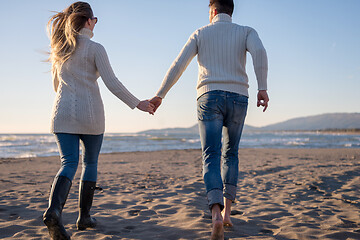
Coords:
146,106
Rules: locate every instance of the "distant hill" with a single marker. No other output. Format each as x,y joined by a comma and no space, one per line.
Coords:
193,129
317,122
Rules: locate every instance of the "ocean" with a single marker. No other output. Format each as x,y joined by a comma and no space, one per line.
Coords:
42,145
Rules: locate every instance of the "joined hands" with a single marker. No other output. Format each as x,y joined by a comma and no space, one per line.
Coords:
156,101
150,106
146,106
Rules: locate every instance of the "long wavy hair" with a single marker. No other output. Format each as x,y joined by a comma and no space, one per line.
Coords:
63,28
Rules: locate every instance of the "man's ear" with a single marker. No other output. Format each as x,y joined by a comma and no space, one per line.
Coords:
215,12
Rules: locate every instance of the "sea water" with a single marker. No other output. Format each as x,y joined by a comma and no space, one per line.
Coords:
41,145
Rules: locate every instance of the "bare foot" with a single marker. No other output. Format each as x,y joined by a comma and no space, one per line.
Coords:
226,213
226,220
218,230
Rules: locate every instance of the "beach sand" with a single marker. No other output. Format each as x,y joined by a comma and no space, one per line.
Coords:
282,194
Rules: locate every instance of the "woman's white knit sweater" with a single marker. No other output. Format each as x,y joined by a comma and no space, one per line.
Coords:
78,107
221,47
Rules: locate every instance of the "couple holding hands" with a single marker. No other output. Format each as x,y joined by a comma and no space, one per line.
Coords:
222,100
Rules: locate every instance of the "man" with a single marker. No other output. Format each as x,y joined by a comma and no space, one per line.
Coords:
222,99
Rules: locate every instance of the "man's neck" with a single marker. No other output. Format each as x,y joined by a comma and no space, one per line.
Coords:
222,17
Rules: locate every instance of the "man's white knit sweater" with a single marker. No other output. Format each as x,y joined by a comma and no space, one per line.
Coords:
221,47
78,107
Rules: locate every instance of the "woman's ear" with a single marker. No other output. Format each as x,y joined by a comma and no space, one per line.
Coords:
88,23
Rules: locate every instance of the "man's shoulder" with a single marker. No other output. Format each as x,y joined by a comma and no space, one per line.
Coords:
212,26
242,27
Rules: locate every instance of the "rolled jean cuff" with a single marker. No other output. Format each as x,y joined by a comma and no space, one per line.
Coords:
230,191
215,196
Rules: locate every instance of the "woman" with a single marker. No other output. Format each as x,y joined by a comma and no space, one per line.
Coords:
78,113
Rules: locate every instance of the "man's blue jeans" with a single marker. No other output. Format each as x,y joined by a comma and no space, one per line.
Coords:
68,145
221,112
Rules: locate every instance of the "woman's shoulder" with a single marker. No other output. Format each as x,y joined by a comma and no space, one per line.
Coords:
97,50
97,47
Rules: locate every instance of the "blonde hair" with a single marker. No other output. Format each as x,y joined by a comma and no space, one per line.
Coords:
63,28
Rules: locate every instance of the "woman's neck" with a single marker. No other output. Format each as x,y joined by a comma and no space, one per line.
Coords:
86,32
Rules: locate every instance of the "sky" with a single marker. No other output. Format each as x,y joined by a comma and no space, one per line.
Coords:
313,49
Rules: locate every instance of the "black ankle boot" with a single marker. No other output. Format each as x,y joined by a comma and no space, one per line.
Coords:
86,195
52,216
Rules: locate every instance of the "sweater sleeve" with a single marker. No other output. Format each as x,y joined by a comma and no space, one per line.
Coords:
179,65
112,83
258,54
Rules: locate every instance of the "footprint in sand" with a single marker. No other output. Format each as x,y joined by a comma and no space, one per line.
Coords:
236,212
147,200
13,216
115,233
266,231
147,213
161,206
129,228
168,211
138,210
347,224
134,212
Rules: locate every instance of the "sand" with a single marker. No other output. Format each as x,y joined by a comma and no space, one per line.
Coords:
282,194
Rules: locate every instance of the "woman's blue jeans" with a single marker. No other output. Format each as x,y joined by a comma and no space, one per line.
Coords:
68,145
221,114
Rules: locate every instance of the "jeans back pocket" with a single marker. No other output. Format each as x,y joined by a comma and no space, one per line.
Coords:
240,105
208,107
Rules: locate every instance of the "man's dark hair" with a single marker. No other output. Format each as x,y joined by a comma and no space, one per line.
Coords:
223,6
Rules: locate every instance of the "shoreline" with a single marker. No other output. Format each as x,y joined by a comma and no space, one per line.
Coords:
190,149
20,146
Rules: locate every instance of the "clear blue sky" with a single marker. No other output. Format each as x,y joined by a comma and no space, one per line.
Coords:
313,49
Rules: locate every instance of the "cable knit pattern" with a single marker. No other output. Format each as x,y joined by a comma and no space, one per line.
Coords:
221,47
78,106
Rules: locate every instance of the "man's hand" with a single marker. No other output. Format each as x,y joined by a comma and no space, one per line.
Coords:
146,106
156,101
262,99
